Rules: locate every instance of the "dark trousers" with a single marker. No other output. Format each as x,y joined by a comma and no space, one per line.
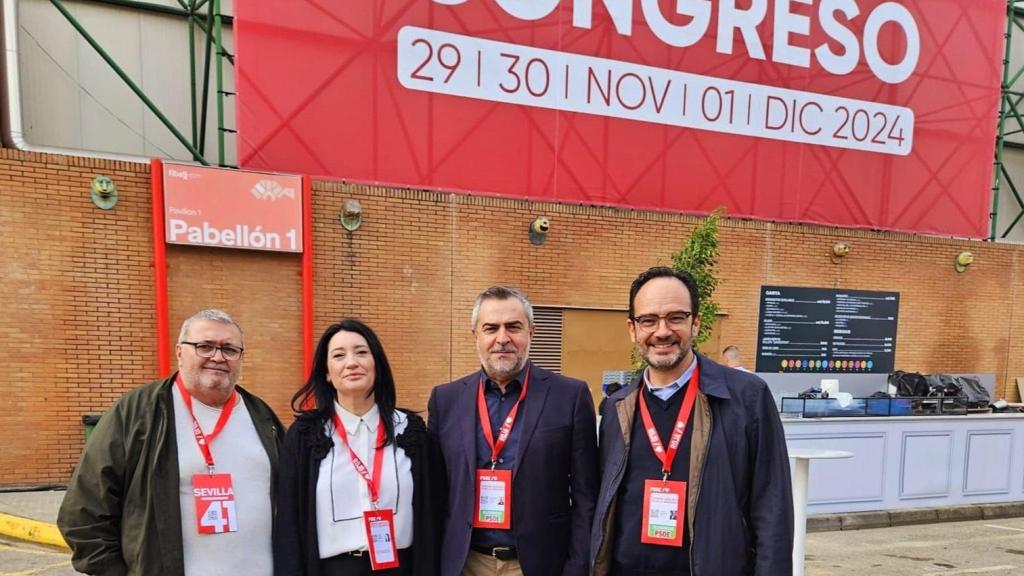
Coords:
348,565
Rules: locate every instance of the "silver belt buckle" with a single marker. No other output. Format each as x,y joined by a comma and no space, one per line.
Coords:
497,549
357,553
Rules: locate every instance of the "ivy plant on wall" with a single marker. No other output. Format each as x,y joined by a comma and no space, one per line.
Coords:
699,257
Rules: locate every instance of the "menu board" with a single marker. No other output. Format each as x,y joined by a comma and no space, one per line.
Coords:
826,330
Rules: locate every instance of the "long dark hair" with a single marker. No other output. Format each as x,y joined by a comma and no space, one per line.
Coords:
317,395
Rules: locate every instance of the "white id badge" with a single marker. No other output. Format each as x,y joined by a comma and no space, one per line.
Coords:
380,539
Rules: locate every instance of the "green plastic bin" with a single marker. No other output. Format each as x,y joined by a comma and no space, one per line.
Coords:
89,421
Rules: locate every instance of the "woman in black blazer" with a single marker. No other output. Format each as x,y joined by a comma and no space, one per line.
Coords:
346,407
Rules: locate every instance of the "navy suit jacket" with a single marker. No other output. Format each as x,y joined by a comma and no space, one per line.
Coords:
554,482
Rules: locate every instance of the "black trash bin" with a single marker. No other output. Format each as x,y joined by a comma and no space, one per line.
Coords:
89,421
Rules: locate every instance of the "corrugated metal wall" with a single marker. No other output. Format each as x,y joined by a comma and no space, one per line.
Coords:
72,99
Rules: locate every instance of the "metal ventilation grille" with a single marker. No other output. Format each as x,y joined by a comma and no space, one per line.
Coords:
546,348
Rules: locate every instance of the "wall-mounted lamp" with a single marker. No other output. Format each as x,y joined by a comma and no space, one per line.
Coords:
539,230
103,192
839,251
963,260
351,215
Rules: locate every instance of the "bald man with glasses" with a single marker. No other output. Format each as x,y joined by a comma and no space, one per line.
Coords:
177,477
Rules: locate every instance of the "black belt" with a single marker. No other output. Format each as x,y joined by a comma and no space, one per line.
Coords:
346,560
503,553
355,553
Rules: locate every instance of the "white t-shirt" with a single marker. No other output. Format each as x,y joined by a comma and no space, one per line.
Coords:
342,494
237,450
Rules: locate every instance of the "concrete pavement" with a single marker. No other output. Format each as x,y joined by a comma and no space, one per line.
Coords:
18,558
30,516
985,547
991,542
988,547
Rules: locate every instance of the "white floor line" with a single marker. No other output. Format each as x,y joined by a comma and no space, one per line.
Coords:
985,570
1004,527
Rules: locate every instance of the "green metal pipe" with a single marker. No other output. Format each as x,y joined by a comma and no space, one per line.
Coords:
1011,12
1015,112
191,13
1020,202
192,80
157,8
134,88
205,107
217,23
1013,190
206,82
1015,77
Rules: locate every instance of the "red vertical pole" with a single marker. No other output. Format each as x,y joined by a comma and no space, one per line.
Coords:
156,177
307,275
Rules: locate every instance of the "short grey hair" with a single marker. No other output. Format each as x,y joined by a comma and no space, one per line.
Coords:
208,314
501,293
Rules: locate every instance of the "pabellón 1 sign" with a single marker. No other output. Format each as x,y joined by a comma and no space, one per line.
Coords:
826,330
232,208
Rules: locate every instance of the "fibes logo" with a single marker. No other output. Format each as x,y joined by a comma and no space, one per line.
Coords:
272,190
183,174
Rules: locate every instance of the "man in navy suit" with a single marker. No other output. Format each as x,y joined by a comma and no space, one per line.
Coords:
520,451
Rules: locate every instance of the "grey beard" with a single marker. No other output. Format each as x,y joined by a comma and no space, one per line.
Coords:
667,364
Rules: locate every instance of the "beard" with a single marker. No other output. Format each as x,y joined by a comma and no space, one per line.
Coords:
505,369
665,361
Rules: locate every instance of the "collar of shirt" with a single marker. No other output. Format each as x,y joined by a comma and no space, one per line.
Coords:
351,422
666,392
490,386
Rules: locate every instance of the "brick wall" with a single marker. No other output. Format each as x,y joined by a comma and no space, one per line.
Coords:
78,327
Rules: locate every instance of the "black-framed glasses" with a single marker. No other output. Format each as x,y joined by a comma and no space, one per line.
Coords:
674,320
207,350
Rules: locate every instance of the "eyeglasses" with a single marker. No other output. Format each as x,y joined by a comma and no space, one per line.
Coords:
205,350
674,320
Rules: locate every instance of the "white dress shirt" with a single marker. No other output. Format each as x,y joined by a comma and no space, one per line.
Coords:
342,494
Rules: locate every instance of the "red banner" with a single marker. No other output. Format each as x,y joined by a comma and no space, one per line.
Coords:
864,113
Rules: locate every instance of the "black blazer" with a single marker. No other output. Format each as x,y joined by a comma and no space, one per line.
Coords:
296,550
554,483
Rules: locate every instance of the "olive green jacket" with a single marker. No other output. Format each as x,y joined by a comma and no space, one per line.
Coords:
121,513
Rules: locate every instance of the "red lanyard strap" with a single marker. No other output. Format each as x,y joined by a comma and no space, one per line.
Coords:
506,426
667,456
372,482
204,440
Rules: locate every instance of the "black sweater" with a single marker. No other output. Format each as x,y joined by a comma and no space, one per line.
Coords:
642,465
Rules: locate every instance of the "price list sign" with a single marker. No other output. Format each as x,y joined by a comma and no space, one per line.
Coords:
826,330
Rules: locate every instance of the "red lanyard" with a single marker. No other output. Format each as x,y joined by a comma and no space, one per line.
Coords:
373,483
204,440
506,426
667,456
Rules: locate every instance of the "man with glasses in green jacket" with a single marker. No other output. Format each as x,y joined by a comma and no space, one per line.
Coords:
177,477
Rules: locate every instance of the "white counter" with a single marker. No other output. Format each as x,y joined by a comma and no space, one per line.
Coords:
912,461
